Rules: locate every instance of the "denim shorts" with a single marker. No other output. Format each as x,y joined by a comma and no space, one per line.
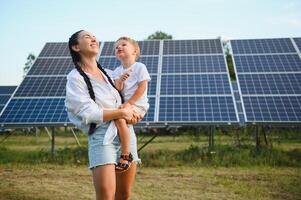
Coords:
100,154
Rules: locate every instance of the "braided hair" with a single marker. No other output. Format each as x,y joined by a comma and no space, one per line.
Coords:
73,40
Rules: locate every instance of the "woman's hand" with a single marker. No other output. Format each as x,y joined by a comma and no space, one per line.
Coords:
128,112
136,118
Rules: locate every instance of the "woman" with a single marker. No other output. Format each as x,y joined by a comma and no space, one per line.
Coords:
92,102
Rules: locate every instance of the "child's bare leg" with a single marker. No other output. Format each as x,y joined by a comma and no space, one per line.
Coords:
124,135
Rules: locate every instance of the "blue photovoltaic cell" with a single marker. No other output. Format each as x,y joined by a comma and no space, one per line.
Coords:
4,99
171,47
7,90
55,49
51,66
152,85
109,62
298,43
254,46
268,63
51,110
146,48
149,116
42,86
273,108
193,64
150,47
108,49
151,63
5,94
270,83
193,109
205,84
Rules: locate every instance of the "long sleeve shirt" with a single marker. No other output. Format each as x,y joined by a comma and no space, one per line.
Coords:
81,109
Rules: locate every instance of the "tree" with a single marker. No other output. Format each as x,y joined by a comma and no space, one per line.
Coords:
30,59
159,35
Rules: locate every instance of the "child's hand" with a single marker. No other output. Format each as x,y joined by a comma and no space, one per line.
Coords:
125,75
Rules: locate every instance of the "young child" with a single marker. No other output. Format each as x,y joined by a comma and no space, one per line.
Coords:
131,78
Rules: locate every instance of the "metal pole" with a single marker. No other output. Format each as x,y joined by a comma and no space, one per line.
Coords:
52,141
211,138
146,143
257,138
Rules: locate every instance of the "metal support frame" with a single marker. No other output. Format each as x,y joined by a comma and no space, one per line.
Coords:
75,137
257,137
211,137
52,141
47,131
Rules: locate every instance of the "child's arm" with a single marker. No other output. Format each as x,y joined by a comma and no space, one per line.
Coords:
119,83
138,93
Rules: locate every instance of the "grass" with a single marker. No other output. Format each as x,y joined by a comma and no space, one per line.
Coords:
174,167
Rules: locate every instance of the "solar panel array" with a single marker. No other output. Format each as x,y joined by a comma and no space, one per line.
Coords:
269,77
39,100
190,82
5,94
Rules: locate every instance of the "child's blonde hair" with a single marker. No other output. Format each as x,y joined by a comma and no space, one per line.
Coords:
133,42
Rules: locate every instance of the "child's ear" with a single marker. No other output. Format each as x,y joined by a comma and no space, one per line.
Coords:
75,48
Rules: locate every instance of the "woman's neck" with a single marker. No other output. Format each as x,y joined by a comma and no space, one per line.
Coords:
89,64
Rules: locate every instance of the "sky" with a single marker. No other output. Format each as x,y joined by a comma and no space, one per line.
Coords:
26,25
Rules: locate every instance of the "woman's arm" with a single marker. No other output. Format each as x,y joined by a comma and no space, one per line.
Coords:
125,113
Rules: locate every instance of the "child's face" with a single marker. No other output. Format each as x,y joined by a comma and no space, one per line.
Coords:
125,50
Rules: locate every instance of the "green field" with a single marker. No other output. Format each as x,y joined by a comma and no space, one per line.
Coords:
177,166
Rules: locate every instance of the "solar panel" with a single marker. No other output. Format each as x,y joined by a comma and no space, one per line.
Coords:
270,83
267,63
5,94
42,87
273,108
35,111
40,97
190,84
193,64
195,84
180,47
298,43
197,109
51,66
262,46
55,49
269,76
150,115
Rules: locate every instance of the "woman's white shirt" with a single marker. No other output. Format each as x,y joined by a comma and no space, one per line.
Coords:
81,109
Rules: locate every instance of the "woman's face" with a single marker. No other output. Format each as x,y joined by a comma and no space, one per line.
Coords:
87,44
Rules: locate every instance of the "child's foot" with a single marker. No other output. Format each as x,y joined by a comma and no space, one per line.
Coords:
124,163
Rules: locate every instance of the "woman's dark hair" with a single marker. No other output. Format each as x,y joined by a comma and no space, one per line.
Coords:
73,40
